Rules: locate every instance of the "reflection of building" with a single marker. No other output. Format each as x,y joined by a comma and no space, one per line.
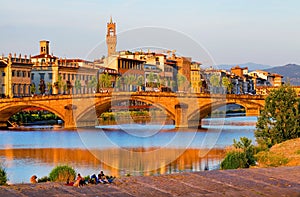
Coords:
15,76
61,75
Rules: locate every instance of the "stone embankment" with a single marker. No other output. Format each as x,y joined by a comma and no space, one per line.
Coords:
281,181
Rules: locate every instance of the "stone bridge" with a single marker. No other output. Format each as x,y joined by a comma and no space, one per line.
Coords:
185,109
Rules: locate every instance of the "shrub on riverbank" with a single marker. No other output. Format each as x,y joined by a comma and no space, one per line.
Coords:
241,156
3,176
43,179
62,174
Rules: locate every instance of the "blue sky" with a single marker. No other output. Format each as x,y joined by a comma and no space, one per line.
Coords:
232,31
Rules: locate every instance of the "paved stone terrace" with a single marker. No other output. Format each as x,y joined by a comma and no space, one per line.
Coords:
282,181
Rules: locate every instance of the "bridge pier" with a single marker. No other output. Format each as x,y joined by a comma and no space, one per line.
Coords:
69,121
181,114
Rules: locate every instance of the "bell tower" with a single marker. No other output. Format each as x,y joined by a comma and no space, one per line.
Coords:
44,47
111,38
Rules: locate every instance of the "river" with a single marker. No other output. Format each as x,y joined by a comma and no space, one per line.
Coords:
121,149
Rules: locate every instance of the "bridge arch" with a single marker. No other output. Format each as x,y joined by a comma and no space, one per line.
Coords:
9,110
208,108
99,107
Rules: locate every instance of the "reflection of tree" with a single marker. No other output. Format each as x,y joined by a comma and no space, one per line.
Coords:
181,81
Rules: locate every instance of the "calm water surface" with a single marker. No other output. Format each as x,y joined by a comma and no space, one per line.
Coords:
121,149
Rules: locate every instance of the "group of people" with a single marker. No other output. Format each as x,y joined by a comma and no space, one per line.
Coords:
101,178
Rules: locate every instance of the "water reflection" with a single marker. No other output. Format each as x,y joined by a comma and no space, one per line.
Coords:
25,153
41,161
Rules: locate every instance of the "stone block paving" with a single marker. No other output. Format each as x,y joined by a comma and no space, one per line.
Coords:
282,181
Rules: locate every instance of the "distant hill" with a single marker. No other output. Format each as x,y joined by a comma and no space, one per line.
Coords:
289,71
251,66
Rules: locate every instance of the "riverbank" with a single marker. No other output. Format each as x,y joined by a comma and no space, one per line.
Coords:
281,181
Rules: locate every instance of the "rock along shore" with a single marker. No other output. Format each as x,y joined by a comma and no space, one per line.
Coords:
281,181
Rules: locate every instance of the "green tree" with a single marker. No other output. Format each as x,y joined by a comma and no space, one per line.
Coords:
215,82
32,88
242,156
118,83
42,86
104,80
49,87
92,83
59,84
181,81
3,176
279,119
151,80
77,85
226,83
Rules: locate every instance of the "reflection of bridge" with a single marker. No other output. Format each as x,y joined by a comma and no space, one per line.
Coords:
83,110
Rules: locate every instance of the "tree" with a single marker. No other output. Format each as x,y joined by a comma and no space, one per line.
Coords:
215,82
279,119
69,86
49,87
42,86
150,80
104,80
59,83
226,84
32,88
118,83
92,83
180,81
77,85
242,156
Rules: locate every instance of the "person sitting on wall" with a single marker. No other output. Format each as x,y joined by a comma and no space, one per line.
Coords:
102,178
33,179
94,179
79,181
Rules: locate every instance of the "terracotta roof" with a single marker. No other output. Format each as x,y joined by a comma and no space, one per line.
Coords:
43,56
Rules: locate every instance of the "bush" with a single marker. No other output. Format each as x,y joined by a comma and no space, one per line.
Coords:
242,156
43,179
3,176
234,160
62,174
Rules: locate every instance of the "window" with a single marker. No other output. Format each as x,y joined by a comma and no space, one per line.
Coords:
50,76
3,74
32,76
42,76
28,74
13,73
18,73
24,73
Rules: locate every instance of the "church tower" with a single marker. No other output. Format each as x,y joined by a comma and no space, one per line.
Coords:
111,38
44,47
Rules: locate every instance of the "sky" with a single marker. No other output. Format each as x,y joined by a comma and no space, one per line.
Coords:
228,31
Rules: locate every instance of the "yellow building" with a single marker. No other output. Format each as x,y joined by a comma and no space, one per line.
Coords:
62,75
196,82
15,75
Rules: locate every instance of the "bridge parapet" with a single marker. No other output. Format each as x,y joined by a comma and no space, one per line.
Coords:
178,106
